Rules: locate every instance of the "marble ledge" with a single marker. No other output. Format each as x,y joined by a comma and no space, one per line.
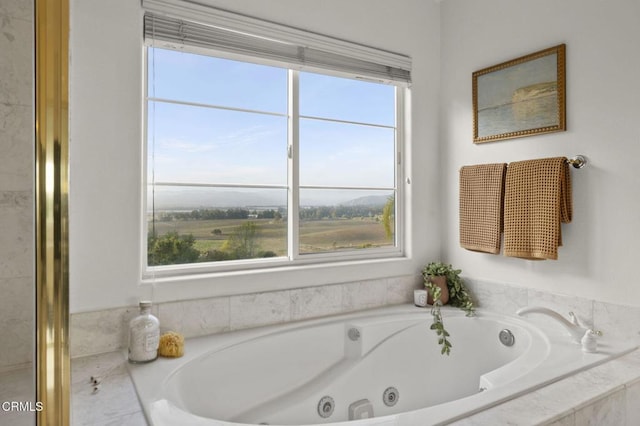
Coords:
633,397
114,402
594,396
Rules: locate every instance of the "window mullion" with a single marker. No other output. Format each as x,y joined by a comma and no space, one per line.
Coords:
400,168
293,164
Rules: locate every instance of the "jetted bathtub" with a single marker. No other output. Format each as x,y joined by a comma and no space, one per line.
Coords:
377,367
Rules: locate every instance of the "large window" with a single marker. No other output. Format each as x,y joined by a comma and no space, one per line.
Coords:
251,165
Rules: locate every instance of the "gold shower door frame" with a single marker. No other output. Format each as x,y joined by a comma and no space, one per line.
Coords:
51,210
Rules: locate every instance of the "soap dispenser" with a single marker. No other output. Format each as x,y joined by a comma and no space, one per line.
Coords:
144,335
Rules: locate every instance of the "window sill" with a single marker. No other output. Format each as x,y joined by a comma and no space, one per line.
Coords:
276,278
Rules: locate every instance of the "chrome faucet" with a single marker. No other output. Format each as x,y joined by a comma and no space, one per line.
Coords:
573,327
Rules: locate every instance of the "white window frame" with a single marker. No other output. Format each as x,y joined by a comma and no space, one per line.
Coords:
294,258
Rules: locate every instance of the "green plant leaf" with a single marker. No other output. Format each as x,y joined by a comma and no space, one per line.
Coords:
459,297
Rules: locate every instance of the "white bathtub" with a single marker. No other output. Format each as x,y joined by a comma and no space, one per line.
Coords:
296,373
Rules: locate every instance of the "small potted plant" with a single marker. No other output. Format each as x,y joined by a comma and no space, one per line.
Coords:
440,279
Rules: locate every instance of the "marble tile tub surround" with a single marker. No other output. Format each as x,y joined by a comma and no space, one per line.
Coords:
605,395
617,321
106,331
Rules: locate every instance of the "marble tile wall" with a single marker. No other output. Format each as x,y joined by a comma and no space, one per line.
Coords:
617,321
17,301
16,184
105,331
17,385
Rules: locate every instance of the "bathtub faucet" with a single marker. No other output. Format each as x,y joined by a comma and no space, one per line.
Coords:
572,326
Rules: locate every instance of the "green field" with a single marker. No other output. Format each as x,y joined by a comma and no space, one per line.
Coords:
315,235
335,234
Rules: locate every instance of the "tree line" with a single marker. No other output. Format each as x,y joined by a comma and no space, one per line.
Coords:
173,248
217,214
306,213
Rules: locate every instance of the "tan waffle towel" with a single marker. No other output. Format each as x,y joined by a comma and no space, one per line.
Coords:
481,194
537,198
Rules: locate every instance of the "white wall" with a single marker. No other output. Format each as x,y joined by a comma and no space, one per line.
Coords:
105,146
603,63
601,247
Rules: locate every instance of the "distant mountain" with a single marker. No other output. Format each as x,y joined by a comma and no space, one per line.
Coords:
200,198
207,199
371,200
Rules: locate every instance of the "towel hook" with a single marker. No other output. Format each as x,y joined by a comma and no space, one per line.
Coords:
578,162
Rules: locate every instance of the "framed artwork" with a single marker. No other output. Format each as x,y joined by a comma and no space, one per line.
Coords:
521,97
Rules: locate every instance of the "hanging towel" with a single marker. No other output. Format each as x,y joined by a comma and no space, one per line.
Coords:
537,199
481,195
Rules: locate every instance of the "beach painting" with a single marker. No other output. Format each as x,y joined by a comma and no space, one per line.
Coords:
521,97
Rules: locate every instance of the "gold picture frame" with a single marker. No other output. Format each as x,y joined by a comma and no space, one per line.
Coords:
521,97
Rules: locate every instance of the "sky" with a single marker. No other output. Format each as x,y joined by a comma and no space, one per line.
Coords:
196,144
496,88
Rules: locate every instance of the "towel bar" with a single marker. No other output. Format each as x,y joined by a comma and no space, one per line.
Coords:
578,162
